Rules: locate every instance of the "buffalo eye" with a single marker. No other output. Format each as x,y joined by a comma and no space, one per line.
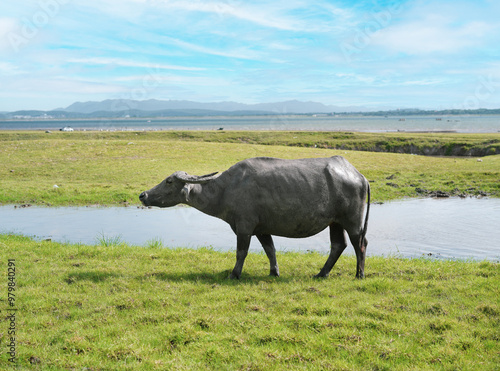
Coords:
168,180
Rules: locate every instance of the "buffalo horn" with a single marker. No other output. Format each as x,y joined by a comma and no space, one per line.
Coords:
195,178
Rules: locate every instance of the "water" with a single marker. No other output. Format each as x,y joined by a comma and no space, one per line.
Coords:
448,229
463,124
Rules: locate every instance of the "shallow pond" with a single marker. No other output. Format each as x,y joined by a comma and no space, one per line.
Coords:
441,228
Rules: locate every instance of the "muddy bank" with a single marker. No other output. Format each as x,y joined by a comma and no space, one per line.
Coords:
469,192
425,144
450,150
438,150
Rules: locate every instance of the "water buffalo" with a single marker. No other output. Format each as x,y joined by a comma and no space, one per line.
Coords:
266,196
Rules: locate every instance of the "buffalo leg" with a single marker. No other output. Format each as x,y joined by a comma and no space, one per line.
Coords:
267,243
360,249
242,245
338,245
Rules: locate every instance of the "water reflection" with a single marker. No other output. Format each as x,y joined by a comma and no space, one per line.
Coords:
450,228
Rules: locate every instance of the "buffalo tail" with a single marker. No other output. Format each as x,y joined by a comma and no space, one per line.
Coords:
365,227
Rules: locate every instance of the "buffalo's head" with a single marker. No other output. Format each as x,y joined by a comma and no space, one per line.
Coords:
173,190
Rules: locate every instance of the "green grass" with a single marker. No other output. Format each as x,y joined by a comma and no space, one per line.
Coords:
113,168
445,144
155,243
108,241
120,307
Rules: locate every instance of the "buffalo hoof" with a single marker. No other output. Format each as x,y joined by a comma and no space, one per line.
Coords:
233,276
274,274
320,275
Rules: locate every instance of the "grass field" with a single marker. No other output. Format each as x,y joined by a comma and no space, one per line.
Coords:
118,307
445,144
113,168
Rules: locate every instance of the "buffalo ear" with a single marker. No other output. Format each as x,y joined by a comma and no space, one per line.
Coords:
195,179
186,190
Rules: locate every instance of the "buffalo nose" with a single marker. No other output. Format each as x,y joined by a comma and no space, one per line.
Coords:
143,196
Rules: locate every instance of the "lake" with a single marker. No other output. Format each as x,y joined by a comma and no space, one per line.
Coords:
462,124
438,228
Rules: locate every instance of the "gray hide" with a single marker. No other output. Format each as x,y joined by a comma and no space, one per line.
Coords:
267,196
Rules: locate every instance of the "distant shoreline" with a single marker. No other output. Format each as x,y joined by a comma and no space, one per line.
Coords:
186,114
291,122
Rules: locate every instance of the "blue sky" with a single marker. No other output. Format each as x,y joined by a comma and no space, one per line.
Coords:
375,54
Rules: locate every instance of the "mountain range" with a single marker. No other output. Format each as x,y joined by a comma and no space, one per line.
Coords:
127,108
151,105
157,108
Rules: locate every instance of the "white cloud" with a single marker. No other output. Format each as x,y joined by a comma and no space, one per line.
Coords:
354,77
49,93
491,69
131,63
433,34
164,80
266,16
423,82
9,69
8,26
238,53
